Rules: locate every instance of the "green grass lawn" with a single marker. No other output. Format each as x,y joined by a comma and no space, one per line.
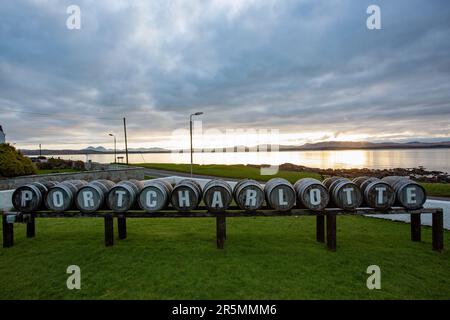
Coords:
241,171
264,258
48,171
437,189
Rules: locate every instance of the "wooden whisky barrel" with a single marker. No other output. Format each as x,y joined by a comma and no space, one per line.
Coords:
409,194
376,193
61,197
359,180
30,197
217,196
311,194
328,181
122,197
363,184
155,195
186,195
92,196
248,195
280,195
345,194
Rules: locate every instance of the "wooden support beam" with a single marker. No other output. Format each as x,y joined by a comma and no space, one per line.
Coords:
320,227
8,232
122,227
415,227
220,231
325,221
109,230
331,231
438,230
31,226
224,228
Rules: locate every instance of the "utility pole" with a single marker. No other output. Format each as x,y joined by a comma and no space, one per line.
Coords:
190,131
126,142
115,148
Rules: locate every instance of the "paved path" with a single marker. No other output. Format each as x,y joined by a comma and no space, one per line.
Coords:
426,218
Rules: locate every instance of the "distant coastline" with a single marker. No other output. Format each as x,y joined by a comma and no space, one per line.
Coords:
321,146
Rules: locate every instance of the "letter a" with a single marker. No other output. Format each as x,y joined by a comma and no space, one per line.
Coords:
74,280
217,200
74,20
374,20
374,281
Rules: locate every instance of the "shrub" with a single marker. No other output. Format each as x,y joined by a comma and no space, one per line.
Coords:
13,163
54,163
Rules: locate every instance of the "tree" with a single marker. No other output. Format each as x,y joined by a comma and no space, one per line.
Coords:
13,163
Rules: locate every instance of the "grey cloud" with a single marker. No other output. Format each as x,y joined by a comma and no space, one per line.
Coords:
292,65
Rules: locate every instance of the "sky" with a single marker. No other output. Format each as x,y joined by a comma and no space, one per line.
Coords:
310,70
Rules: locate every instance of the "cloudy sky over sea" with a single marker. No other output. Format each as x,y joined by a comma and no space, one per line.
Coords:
310,69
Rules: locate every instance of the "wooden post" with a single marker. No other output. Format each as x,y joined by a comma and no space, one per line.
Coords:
438,230
122,227
224,228
331,231
415,227
220,231
31,226
8,232
320,227
109,230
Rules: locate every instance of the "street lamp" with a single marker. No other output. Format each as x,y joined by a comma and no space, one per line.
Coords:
115,150
190,130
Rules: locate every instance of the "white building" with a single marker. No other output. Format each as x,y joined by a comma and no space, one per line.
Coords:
2,135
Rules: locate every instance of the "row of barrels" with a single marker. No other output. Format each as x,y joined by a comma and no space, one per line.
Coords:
217,195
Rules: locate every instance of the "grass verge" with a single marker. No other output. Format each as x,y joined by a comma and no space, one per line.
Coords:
264,258
437,189
238,171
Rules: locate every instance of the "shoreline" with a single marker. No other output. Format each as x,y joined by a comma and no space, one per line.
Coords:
217,150
419,174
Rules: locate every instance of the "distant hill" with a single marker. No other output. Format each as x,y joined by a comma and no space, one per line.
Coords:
328,145
346,145
99,149
92,150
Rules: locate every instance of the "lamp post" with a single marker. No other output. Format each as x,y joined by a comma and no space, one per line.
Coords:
115,150
190,130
